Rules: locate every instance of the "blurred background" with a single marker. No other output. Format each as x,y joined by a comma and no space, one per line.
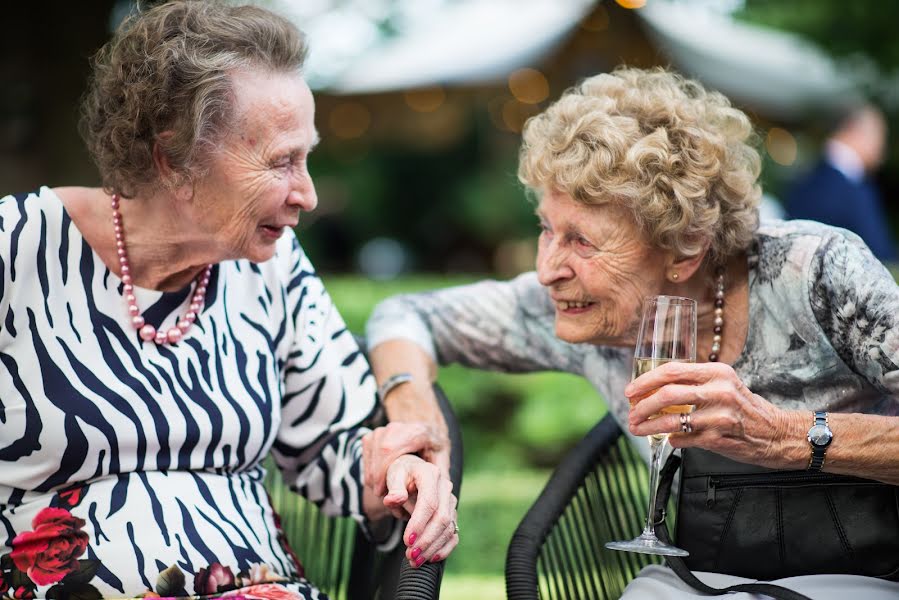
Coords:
420,105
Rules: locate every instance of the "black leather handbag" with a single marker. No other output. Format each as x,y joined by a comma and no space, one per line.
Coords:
753,522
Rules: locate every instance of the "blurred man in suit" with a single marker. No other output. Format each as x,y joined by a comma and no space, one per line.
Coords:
838,191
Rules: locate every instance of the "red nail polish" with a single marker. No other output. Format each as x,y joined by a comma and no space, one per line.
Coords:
415,553
412,538
435,558
419,561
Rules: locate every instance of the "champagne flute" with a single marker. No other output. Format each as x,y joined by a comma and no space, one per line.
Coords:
667,334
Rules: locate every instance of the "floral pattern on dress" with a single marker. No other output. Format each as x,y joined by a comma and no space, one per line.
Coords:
47,559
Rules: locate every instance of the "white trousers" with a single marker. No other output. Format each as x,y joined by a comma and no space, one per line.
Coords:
658,582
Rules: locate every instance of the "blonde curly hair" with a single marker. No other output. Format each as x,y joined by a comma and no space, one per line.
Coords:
679,157
165,78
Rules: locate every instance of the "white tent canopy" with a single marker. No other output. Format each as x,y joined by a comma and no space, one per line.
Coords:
777,73
465,42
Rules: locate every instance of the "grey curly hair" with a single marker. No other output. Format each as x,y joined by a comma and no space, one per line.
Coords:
164,79
679,157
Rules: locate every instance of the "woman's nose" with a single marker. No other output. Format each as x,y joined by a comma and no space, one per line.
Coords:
552,266
303,195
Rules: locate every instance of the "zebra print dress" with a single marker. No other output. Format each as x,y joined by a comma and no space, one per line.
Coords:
130,469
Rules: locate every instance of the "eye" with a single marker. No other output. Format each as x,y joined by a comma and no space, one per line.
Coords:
544,228
583,242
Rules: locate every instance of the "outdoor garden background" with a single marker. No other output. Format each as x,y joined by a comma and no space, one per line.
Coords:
417,190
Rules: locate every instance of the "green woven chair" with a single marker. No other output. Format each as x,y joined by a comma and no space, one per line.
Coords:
340,560
597,494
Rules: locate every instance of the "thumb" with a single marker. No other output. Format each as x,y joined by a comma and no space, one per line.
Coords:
397,476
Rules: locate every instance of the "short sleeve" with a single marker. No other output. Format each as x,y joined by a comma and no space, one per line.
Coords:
856,301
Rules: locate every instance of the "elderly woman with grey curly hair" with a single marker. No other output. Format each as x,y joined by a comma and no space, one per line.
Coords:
646,185
159,336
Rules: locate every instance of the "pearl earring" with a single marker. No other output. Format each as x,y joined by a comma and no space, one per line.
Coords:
675,276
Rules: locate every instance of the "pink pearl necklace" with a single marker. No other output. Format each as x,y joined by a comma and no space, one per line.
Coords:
148,332
719,314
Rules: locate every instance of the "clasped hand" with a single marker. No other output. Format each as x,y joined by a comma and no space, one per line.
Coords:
728,419
412,488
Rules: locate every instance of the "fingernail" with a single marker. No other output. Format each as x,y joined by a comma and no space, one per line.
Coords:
412,538
415,553
419,561
435,558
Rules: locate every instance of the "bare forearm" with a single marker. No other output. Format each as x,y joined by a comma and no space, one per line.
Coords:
863,445
415,400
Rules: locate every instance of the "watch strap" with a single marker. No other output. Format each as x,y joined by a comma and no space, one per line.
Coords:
818,452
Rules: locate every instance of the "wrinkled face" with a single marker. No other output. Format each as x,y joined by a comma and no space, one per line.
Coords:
597,267
257,183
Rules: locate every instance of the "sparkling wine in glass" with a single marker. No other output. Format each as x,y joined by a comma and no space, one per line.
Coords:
667,334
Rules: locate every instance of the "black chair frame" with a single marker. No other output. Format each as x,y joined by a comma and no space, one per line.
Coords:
341,561
597,493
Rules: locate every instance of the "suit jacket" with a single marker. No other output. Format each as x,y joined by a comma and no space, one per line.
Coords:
828,196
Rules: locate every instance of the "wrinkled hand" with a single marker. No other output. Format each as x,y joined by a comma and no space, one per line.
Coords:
384,445
729,419
419,491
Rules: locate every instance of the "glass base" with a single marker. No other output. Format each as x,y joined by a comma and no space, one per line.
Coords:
647,544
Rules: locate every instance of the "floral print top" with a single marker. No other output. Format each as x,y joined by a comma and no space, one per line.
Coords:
823,326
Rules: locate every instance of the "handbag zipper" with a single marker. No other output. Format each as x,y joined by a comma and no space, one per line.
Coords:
770,479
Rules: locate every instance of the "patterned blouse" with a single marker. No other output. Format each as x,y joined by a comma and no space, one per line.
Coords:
131,469
823,327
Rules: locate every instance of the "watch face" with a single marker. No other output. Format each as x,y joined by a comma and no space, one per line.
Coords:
820,435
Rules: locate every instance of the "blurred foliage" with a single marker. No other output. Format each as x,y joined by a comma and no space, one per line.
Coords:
866,27
449,206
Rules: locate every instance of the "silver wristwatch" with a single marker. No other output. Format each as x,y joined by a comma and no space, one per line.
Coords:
819,437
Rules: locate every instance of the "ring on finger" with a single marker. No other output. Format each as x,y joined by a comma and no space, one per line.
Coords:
455,528
686,424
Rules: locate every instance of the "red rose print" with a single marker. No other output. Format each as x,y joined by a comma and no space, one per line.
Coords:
265,591
23,593
213,580
51,551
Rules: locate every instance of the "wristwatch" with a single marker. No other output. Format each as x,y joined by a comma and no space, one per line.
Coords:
819,437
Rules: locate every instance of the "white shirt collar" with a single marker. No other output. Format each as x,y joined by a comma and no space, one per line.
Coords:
845,160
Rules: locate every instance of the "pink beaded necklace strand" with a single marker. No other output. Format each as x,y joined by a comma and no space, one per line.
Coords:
719,314
148,332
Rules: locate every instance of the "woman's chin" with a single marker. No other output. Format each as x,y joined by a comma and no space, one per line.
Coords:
573,335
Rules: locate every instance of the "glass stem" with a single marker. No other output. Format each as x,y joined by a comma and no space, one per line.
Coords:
657,449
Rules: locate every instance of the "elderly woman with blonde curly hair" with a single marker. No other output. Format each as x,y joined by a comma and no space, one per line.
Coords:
646,184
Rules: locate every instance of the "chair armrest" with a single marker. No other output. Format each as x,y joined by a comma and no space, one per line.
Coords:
563,485
424,581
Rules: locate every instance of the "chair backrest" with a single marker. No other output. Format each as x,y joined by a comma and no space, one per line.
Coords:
336,555
598,493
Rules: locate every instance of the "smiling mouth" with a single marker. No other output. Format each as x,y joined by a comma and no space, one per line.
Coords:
570,304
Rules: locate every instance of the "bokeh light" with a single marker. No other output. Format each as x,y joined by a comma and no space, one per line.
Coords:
515,114
349,120
426,99
781,146
529,86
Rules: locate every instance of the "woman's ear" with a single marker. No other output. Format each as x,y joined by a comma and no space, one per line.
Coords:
681,268
173,180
